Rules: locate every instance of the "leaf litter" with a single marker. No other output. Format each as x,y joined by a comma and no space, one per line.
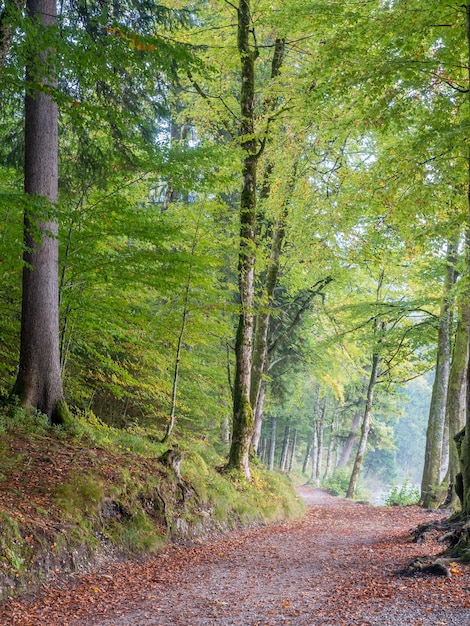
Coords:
342,564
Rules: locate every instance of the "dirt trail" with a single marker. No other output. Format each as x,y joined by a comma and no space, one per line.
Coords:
337,565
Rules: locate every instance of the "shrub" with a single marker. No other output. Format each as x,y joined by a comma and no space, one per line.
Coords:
337,484
405,495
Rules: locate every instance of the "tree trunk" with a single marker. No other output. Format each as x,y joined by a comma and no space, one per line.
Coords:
174,392
320,430
351,439
431,479
331,446
243,419
259,408
292,453
285,449
39,380
272,444
314,454
306,459
260,347
365,428
465,444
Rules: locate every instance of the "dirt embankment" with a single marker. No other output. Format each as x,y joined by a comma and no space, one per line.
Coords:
340,564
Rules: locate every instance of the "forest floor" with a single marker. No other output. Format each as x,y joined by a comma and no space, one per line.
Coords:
342,563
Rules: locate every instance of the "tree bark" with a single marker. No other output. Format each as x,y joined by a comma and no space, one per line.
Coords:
285,449
243,419
431,479
364,429
258,413
272,444
465,443
292,452
351,439
39,380
320,425
456,393
331,445
306,458
260,347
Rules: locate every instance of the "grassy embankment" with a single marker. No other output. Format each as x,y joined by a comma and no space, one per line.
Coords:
71,498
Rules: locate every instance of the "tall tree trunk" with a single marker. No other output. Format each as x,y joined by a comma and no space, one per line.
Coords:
365,428
258,411
285,449
272,444
39,380
456,407
331,445
431,479
314,454
351,439
320,425
260,346
293,449
306,458
465,444
174,391
243,419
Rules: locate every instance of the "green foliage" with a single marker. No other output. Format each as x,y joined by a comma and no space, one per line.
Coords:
14,550
16,418
337,484
403,495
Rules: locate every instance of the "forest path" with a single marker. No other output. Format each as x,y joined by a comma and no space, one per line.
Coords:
337,565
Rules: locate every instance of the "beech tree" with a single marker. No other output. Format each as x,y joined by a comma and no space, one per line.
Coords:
433,458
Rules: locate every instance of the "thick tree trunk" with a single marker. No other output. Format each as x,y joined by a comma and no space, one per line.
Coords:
39,380
465,444
364,429
243,419
431,479
456,394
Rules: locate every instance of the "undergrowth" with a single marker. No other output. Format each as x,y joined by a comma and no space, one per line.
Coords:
403,495
86,485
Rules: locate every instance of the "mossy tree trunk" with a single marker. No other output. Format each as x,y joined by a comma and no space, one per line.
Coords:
431,480
243,418
365,428
456,394
348,446
260,348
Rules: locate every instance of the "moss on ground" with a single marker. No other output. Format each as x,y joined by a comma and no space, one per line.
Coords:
70,493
